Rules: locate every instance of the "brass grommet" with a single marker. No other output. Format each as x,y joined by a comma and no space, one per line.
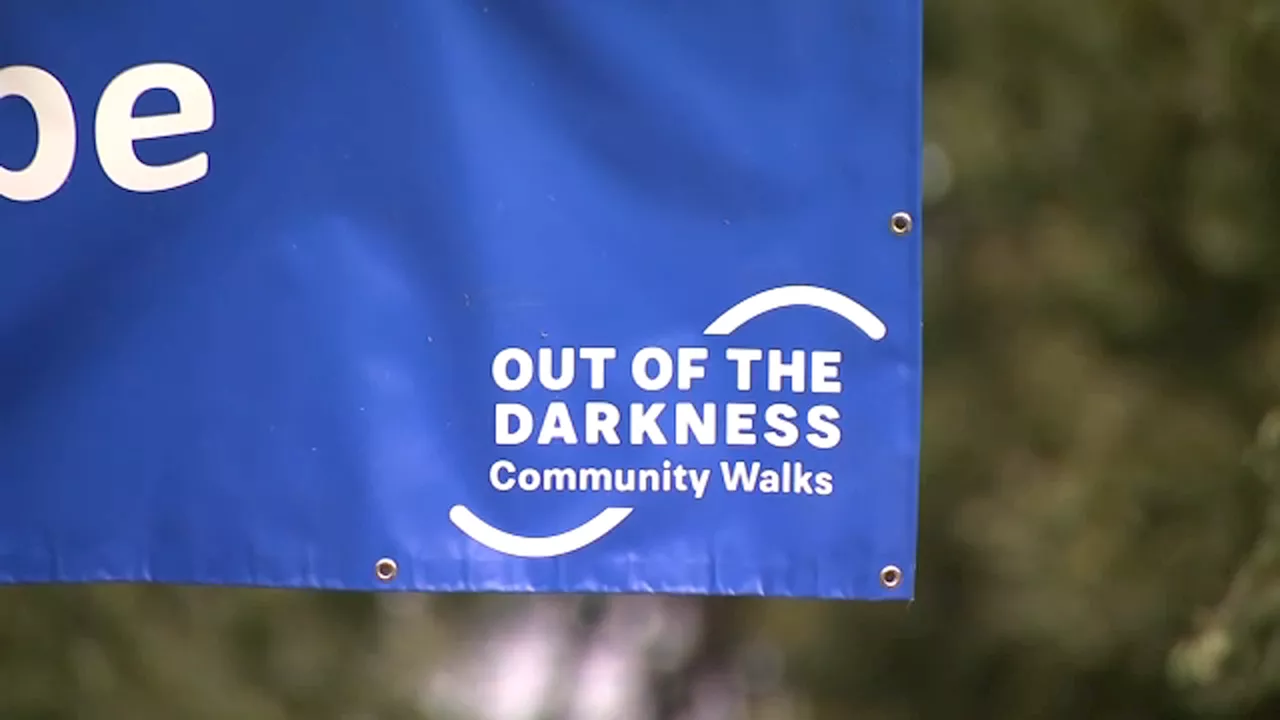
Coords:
891,576
900,223
385,569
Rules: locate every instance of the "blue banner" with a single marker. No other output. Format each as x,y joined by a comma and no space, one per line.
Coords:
462,295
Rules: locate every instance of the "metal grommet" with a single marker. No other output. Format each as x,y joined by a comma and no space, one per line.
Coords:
890,576
900,223
385,569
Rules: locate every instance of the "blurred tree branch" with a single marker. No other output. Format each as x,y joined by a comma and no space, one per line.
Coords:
1232,661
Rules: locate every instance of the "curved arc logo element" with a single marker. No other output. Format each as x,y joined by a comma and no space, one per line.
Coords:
537,547
606,520
798,295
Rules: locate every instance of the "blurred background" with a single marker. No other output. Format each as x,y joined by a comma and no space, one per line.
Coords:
1101,511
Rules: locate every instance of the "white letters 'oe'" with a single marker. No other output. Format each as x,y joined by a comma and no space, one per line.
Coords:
116,129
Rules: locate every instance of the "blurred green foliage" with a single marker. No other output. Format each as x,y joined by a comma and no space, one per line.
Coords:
1101,493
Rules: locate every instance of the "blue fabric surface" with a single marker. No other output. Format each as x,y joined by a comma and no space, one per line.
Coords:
282,368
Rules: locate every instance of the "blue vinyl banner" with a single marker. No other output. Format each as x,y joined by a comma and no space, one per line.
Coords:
462,295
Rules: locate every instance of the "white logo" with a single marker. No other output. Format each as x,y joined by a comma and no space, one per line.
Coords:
606,421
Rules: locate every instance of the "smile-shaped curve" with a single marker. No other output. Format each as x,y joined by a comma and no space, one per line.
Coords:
603,523
537,547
